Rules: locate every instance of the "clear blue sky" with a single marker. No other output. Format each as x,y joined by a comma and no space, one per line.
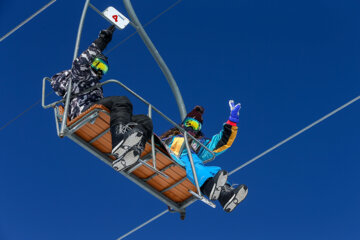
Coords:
287,62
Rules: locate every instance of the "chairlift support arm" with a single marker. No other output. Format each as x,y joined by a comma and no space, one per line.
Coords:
160,61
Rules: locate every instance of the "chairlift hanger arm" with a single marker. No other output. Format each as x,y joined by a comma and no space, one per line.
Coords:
161,63
169,77
67,102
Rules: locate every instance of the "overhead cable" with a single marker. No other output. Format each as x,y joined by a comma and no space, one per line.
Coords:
144,224
261,155
146,24
294,135
22,113
27,20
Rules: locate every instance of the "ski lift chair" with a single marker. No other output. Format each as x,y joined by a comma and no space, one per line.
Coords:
93,126
156,171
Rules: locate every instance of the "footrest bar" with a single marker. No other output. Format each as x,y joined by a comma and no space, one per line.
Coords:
145,158
154,169
162,170
203,199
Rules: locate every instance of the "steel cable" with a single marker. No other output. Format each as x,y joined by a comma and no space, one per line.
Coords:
146,24
143,225
260,155
294,135
27,20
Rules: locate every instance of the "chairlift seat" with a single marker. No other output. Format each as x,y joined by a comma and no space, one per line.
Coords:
93,127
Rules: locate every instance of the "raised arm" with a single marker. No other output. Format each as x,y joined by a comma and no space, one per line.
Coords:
85,59
225,138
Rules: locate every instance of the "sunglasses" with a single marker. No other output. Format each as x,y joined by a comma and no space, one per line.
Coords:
191,122
100,65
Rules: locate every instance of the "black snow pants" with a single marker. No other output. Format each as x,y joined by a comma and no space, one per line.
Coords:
121,112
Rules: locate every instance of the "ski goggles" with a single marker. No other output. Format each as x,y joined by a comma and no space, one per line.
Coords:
100,65
191,122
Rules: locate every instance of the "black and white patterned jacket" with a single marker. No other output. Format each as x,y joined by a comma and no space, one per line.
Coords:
82,78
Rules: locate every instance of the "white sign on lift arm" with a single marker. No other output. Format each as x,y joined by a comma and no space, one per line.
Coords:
116,17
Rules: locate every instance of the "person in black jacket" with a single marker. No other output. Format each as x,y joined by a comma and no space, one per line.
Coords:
129,133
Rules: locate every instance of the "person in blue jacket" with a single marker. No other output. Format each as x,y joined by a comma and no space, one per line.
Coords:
212,179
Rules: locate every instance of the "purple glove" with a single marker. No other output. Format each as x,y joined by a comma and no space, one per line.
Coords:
234,111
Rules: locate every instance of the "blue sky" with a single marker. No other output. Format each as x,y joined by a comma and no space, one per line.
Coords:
288,63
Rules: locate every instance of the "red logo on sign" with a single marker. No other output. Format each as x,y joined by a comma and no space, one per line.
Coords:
115,17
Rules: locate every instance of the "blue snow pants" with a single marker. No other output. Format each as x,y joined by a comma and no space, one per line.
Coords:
203,172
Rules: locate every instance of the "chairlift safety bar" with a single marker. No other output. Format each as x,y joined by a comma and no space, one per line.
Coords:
90,116
133,93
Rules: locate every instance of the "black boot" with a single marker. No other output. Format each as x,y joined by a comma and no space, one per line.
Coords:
212,187
124,137
230,197
130,157
118,135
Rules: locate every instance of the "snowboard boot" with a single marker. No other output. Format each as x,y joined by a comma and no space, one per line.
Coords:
212,187
131,156
229,197
124,137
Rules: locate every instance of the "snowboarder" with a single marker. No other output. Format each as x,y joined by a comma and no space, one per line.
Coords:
129,133
212,179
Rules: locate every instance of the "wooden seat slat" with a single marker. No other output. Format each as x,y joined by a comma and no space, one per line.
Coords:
178,197
174,179
89,131
166,184
160,183
88,134
147,171
185,195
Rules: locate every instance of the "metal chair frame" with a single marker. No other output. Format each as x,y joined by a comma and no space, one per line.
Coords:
68,131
